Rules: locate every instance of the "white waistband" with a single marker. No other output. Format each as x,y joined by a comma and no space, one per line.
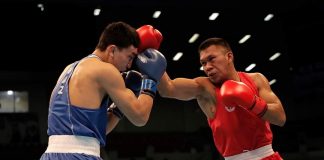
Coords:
73,144
256,154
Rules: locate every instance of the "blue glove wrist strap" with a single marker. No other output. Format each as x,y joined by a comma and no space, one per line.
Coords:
116,112
149,87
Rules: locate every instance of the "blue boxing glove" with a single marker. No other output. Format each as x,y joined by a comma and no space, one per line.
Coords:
133,81
152,64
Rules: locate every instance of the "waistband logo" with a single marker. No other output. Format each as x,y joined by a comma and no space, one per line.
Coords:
229,109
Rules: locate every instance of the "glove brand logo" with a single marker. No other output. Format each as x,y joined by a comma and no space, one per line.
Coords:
142,59
229,109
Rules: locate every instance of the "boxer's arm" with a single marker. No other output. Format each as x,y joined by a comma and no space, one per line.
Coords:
275,113
136,110
112,122
179,88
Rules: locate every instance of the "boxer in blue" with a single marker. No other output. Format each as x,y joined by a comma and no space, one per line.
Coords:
79,117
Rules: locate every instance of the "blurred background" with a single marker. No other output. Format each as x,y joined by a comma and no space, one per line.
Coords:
281,39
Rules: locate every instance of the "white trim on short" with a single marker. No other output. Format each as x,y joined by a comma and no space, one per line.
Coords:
256,154
73,144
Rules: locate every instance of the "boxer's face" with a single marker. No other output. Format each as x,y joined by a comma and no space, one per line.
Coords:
215,63
123,57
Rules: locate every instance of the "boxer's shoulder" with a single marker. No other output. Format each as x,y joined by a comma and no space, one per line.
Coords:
208,89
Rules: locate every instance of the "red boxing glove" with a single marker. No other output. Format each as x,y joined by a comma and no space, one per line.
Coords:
150,38
236,93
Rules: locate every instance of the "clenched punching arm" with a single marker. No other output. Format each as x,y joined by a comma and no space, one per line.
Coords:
133,81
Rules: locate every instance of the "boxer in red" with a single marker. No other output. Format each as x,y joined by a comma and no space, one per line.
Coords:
239,106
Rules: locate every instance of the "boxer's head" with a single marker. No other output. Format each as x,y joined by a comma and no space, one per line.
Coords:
120,41
119,34
216,58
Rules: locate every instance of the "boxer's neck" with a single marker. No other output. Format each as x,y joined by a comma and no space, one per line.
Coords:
95,56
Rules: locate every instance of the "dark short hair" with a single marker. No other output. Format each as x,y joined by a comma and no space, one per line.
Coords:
120,34
214,41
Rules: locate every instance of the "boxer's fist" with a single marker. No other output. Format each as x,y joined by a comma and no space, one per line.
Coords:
149,37
235,93
133,81
152,63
